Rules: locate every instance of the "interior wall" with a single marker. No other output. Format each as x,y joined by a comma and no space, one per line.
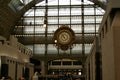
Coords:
116,37
111,48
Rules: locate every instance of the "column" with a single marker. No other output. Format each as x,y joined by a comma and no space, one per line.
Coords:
42,68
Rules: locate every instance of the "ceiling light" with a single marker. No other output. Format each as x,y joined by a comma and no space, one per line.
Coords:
44,25
55,41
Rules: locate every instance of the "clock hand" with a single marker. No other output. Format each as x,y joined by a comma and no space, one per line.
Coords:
64,36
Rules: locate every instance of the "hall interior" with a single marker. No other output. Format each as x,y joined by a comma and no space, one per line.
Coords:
58,38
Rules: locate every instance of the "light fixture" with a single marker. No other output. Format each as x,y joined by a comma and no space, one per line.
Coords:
44,25
55,41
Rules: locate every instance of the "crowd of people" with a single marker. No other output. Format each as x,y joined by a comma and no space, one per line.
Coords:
64,76
6,78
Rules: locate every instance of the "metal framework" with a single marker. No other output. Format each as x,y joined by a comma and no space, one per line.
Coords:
84,19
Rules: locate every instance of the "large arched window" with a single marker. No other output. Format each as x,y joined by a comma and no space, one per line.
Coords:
82,16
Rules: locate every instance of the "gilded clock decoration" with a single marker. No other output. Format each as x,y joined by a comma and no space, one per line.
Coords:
64,36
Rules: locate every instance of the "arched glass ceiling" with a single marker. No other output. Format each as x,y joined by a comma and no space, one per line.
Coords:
83,17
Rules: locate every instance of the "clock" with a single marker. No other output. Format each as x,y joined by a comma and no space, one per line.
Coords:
64,37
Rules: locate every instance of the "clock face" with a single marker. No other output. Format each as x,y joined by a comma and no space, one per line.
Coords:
64,37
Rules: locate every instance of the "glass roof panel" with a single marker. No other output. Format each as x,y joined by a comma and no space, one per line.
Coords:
30,12
88,48
39,49
17,5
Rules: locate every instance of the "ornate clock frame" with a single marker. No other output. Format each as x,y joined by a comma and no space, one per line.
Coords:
64,37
